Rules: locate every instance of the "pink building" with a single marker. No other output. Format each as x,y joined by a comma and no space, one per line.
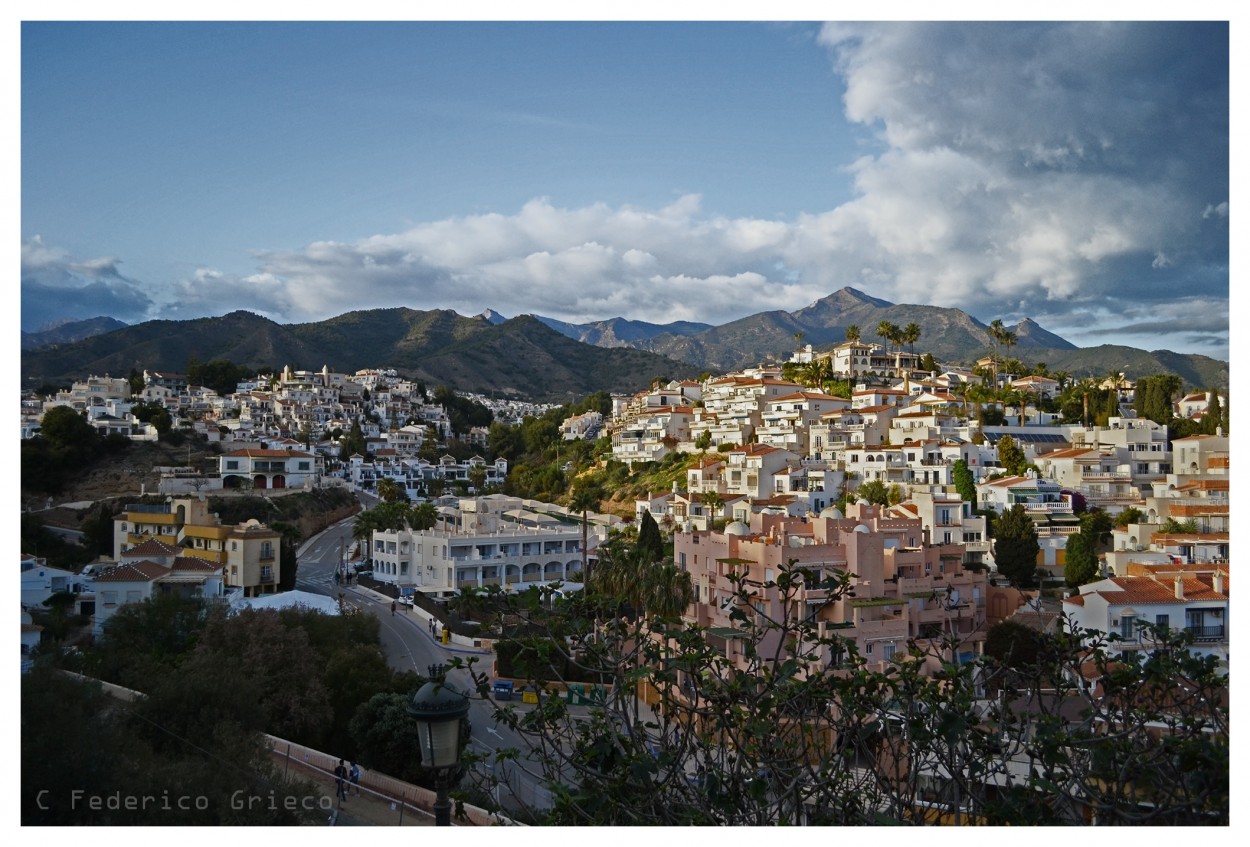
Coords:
903,587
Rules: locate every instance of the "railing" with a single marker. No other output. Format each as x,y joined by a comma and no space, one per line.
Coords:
1065,506
1206,633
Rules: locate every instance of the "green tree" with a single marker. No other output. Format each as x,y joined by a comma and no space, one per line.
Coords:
1016,547
1132,514
424,515
1081,562
650,542
1011,456
910,334
391,491
586,499
386,737
768,735
965,484
875,492
852,332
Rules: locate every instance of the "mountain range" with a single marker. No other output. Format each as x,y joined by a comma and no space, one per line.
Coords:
531,356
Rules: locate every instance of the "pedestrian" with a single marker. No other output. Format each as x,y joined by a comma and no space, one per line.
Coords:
354,773
392,608
340,781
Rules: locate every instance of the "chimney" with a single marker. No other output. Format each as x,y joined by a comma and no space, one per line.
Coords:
1180,587
1218,582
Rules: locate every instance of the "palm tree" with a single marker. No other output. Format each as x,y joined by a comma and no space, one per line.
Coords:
887,331
585,498
852,332
390,491
712,504
424,515
911,334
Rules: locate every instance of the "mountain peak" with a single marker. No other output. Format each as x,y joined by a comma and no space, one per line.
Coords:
848,293
492,317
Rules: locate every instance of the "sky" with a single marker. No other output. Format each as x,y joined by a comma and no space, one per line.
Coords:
1076,173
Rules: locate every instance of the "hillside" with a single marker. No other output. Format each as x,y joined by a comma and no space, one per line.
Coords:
538,357
519,357
68,332
951,335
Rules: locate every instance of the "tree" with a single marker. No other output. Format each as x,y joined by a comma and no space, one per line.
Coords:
391,491
910,335
961,474
586,498
713,503
852,333
874,491
424,516
888,332
777,719
67,431
354,443
1132,514
1016,547
650,542
1081,561
386,737
1011,456
704,440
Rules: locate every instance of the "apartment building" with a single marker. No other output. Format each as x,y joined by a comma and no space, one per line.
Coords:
904,588
492,540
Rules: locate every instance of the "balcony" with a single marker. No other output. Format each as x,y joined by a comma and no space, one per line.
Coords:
1206,633
1046,508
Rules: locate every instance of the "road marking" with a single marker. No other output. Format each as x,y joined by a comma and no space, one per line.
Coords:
492,732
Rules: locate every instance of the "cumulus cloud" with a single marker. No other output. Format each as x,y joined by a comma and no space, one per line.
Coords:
55,288
1040,170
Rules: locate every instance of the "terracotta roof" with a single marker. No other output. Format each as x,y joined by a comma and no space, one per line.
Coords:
189,563
151,547
144,571
273,454
1067,453
1144,590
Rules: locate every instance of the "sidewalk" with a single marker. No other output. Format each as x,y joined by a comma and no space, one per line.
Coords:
369,808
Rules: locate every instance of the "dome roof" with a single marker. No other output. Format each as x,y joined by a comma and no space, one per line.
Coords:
862,528
832,512
737,528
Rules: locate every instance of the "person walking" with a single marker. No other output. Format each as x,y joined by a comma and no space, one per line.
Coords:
392,608
340,781
354,774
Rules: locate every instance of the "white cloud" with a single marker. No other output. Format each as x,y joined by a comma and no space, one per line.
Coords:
1023,169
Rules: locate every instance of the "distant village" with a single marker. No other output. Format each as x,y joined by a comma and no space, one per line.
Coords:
776,469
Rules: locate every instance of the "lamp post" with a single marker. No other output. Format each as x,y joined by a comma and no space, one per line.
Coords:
438,711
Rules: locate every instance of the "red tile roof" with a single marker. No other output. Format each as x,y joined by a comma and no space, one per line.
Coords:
135,572
151,547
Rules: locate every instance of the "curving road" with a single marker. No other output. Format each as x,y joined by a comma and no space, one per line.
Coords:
409,645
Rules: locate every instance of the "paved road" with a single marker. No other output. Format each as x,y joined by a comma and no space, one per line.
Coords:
409,645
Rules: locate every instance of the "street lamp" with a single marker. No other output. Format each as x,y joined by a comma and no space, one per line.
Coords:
438,711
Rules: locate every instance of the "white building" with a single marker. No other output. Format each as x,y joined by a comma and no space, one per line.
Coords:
490,540
1121,605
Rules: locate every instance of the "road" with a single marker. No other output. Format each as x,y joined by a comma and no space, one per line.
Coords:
409,645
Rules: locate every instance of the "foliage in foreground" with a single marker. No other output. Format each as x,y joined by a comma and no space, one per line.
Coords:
780,721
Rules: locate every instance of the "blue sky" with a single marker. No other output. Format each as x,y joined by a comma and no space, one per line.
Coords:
1073,173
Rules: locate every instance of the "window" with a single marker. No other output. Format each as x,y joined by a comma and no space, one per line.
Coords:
1127,626
887,651
1161,620
232,464
303,466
